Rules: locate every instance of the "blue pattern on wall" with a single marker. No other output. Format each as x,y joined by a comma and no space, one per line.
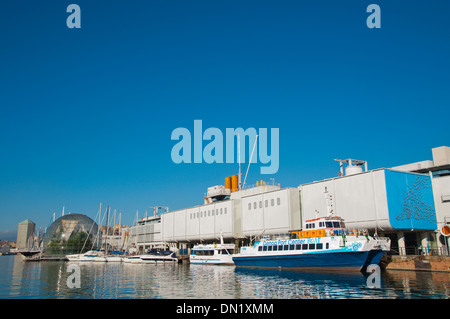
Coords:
410,201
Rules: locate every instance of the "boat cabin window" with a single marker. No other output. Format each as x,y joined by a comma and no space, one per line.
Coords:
275,248
270,248
304,246
319,246
203,252
311,246
333,224
280,247
265,248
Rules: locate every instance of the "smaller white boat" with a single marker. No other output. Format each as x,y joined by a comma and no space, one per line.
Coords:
91,255
213,254
159,257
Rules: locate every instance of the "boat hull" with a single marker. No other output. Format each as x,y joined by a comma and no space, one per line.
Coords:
374,257
158,261
132,260
354,260
73,257
211,261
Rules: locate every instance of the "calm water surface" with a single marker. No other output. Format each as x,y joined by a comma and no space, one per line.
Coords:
119,280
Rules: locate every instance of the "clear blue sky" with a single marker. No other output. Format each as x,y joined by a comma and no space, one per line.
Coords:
87,114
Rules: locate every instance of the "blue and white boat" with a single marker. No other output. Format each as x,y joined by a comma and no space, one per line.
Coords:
325,243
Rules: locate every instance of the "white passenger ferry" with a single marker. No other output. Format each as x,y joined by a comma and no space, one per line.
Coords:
324,243
212,254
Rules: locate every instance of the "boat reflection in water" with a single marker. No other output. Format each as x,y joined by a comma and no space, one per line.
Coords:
294,284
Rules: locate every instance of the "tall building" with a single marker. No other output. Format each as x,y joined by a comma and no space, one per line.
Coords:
25,234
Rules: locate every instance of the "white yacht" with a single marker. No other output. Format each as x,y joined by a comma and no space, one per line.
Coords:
213,254
91,255
159,257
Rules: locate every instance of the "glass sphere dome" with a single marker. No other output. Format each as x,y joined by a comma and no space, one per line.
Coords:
70,234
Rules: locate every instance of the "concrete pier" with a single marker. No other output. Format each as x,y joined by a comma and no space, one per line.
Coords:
417,263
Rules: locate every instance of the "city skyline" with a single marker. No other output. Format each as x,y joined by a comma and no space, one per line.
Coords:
87,114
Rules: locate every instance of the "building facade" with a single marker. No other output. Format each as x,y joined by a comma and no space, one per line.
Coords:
409,204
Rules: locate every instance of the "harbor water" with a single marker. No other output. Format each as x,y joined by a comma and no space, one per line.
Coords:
49,279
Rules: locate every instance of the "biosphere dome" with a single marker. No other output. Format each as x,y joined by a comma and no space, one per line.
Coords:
70,234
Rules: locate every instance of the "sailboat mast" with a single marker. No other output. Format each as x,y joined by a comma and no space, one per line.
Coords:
106,237
239,161
114,231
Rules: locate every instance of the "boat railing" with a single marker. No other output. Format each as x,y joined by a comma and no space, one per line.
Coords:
350,232
280,236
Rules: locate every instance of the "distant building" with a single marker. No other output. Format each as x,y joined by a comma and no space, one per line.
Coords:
25,234
5,249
